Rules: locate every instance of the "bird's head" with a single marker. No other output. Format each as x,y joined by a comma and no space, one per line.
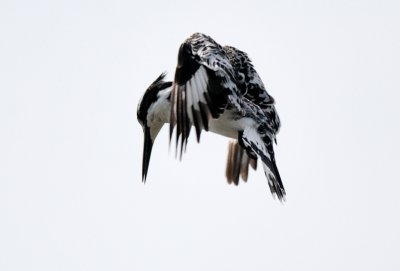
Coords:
153,111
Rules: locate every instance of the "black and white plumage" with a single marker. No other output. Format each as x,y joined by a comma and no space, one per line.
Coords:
215,89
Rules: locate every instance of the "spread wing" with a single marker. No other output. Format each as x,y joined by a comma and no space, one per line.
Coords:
203,86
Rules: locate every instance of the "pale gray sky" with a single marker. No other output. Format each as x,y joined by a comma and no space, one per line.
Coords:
71,197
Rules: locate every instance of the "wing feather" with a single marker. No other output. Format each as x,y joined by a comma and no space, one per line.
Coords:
203,85
251,140
209,78
251,85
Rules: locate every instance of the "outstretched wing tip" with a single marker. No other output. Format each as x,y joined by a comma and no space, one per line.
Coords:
251,140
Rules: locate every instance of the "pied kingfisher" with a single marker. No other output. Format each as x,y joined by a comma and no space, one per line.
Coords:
215,89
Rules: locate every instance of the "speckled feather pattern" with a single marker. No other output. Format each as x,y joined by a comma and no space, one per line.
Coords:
211,80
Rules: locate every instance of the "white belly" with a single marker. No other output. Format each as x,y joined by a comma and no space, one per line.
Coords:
226,126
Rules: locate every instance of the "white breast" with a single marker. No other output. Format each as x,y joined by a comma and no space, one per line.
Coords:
225,125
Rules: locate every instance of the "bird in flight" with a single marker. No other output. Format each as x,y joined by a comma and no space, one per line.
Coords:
216,89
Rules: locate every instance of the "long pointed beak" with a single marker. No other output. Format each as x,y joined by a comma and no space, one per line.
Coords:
147,147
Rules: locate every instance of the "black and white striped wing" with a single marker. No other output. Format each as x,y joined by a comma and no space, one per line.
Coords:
251,85
251,140
204,84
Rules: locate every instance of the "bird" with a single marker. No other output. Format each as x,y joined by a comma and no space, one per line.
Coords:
217,89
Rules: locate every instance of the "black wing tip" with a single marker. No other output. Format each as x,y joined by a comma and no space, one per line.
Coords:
179,118
279,188
276,187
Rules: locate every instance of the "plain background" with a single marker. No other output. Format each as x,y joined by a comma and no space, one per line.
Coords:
71,197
